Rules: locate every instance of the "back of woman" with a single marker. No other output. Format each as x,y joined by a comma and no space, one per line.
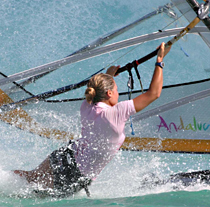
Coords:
102,134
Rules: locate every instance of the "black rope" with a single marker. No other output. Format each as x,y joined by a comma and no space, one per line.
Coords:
136,91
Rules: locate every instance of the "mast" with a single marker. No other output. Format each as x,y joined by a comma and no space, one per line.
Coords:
195,5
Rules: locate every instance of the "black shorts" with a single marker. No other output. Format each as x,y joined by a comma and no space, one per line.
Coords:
67,177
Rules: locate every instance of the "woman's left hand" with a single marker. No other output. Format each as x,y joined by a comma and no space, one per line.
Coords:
112,70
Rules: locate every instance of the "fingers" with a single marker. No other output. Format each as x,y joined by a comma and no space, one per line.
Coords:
117,67
112,70
162,52
161,45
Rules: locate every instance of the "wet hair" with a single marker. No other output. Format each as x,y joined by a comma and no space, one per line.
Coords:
97,88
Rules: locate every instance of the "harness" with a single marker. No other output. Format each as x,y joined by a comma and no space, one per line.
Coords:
67,176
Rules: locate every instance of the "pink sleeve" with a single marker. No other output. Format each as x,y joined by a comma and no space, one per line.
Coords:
125,109
121,112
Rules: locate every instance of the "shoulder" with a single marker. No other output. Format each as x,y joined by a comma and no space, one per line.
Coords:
92,110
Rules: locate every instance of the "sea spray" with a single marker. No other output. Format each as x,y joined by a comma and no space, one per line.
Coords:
11,184
126,176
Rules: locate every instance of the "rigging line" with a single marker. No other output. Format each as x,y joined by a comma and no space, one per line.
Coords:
129,51
111,35
160,9
175,19
142,42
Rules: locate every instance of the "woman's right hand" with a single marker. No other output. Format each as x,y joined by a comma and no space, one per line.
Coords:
162,52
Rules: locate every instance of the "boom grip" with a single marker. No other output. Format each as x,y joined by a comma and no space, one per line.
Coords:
124,68
139,61
147,57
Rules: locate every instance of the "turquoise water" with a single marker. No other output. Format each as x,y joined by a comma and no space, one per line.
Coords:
33,33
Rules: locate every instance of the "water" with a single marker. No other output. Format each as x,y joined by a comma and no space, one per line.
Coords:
33,33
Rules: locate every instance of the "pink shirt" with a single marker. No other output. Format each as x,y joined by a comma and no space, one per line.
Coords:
102,134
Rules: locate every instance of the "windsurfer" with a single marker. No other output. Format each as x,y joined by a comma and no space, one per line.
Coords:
73,167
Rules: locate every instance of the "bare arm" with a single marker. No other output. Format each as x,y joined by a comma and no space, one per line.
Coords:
143,100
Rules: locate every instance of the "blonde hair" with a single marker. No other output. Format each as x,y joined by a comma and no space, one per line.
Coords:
97,87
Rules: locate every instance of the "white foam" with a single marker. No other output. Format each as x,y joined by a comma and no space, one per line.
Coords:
11,184
138,174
